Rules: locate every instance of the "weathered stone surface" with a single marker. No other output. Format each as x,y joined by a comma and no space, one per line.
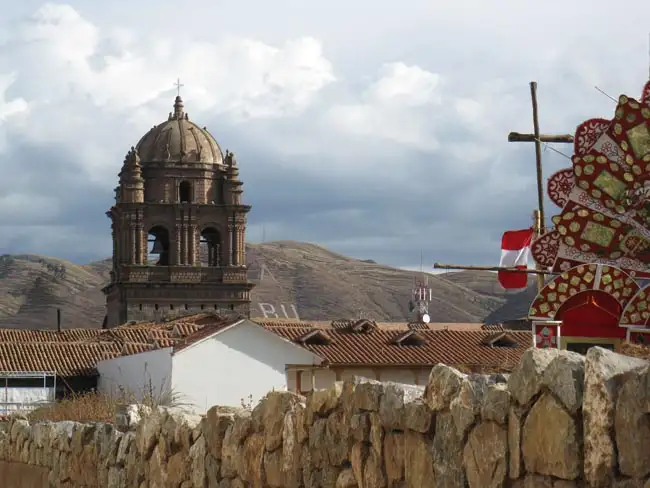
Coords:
417,416
444,383
148,432
565,378
252,463
336,439
514,442
550,443
358,458
233,442
273,472
360,427
603,372
447,453
418,461
268,416
367,395
391,409
216,422
346,479
467,404
373,472
496,403
526,380
127,417
322,402
197,454
394,457
291,452
485,456
632,425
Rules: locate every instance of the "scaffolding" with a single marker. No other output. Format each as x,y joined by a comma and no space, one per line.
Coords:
9,404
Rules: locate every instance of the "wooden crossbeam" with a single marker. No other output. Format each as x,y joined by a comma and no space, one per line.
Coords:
492,268
551,139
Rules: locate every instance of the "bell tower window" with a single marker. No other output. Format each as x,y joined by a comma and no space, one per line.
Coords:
210,247
158,252
185,192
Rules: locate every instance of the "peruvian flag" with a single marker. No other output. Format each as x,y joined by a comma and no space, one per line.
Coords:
515,249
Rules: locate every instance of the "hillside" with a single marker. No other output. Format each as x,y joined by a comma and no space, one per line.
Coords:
318,283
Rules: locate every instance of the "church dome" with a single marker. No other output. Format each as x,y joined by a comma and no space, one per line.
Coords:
179,140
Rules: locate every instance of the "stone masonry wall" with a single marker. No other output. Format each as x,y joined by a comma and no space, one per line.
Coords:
560,420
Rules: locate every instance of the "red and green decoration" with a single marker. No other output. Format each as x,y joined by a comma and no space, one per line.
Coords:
604,196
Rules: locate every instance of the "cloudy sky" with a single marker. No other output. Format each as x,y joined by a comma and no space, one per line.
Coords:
373,127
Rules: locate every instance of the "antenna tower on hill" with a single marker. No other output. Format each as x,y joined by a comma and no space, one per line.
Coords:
421,296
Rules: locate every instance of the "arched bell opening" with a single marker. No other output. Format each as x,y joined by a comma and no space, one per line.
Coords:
158,246
185,192
210,247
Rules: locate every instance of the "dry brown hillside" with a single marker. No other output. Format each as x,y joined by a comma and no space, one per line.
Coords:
320,284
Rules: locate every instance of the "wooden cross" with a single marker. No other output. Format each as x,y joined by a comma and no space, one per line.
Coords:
538,138
178,86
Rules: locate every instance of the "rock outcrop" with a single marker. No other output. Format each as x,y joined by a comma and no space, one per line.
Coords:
560,420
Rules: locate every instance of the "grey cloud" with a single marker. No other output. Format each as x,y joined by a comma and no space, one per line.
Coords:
295,169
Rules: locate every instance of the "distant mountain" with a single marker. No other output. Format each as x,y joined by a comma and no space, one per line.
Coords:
292,278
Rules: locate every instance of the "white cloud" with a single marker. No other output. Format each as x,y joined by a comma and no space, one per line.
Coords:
405,86
63,57
397,107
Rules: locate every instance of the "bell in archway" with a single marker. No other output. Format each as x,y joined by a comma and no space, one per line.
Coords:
157,246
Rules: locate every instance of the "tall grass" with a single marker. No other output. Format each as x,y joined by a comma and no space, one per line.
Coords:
94,406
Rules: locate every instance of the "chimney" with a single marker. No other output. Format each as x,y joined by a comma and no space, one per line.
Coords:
58,320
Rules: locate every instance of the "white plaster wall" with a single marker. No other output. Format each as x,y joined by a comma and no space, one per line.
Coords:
323,378
141,375
423,376
363,372
22,399
405,376
228,367
291,380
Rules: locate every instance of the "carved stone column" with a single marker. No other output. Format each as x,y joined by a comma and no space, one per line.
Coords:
142,244
192,245
124,243
231,244
239,244
184,249
133,258
178,244
242,243
115,247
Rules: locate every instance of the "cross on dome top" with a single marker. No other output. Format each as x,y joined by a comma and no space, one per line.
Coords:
178,103
178,86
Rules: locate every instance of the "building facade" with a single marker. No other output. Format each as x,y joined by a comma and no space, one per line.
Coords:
178,227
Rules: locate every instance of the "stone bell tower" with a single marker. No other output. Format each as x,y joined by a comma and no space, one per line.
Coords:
178,227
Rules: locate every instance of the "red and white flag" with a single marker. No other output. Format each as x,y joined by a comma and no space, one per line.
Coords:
515,249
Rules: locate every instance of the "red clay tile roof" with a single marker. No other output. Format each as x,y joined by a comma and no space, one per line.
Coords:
66,335
76,351
66,359
185,329
344,324
163,343
135,348
453,347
